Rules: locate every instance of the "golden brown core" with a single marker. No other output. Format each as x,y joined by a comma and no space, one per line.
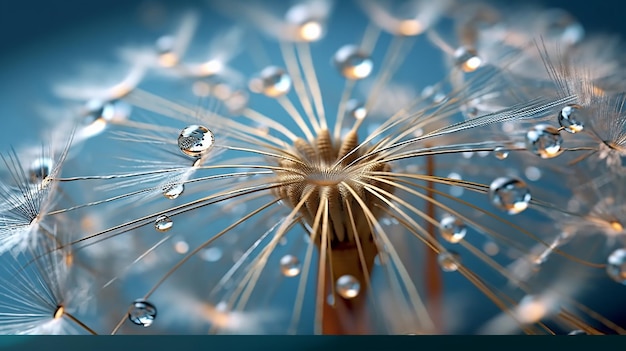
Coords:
336,184
58,313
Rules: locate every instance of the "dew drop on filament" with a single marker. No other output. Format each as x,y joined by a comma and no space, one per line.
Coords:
352,63
509,194
142,313
195,140
347,287
163,223
290,266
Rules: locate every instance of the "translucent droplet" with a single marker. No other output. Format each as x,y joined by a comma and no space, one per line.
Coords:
142,313
452,229
509,194
544,141
308,27
569,119
347,286
173,191
353,63
165,50
272,82
212,254
356,109
616,266
448,261
40,169
290,266
195,140
500,153
467,59
163,223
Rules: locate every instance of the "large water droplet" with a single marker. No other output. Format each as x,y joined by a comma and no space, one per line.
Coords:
569,119
467,59
272,82
544,141
353,63
347,286
173,191
509,194
142,313
40,169
616,266
163,223
290,266
452,229
195,140
449,261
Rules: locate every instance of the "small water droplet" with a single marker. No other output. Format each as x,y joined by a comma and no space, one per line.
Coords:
40,169
142,313
347,286
163,223
577,332
290,266
509,194
449,261
544,140
173,191
569,118
272,82
467,59
616,266
195,140
452,229
353,63
500,153
356,109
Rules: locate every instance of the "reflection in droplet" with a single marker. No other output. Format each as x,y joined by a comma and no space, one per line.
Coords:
347,286
163,223
509,194
544,140
448,261
195,140
452,229
290,266
353,63
142,313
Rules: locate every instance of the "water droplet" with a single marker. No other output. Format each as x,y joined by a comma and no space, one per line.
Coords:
569,119
142,313
356,109
449,261
616,266
544,141
290,266
347,286
195,140
40,169
353,63
509,194
467,59
577,332
181,247
272,82
307,22
165,50
500,153
173,191
452,229
532,173
163,223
